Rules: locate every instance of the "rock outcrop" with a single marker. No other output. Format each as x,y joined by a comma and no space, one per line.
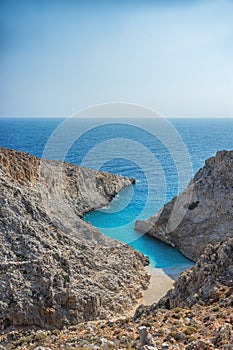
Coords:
200,215
56,269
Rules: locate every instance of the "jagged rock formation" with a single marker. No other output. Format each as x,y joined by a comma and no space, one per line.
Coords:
205,207
199,316
56,269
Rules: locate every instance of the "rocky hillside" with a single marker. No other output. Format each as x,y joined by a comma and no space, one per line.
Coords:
56,269
196,315
205,207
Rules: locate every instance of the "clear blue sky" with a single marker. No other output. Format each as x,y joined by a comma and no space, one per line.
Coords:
60,56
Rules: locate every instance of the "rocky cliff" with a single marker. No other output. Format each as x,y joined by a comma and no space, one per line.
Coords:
56,269
205,207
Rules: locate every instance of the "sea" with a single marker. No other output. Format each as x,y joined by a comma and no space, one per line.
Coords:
162,158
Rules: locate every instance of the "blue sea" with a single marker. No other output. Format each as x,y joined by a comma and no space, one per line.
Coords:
162,164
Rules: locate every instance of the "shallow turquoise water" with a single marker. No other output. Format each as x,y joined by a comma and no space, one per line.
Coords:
115,225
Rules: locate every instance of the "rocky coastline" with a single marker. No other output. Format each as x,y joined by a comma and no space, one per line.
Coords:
64,285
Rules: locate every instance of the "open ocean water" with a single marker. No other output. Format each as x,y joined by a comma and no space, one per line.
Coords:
202,137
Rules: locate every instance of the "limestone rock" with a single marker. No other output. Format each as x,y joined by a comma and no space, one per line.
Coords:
56,269
205,207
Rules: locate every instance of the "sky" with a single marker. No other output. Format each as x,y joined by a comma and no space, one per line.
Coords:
174,56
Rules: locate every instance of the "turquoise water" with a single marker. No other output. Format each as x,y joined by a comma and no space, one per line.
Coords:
202,137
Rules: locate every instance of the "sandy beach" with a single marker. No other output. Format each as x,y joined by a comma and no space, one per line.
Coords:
160,284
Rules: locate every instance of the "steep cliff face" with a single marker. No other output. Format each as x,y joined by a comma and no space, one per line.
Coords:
56,269
205,206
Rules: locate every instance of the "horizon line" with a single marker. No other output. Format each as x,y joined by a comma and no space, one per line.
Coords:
136,117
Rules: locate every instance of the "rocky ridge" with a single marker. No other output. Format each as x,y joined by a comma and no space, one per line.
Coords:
56,269
205,207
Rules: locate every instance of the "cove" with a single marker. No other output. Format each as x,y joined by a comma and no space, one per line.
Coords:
119,225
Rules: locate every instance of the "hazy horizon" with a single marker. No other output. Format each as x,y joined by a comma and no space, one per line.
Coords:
65,117
59,57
